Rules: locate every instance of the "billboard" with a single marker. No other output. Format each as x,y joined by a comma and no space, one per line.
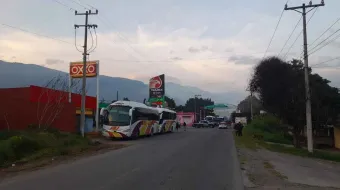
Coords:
157,87
76,69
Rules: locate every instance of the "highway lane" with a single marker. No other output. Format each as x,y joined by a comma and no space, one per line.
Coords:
198,159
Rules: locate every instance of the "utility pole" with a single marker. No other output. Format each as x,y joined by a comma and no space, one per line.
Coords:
305,52
83,95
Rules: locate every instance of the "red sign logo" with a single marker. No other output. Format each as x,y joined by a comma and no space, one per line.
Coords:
76,69
156,82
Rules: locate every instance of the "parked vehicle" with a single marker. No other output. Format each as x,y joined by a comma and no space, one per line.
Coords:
223,125
201,124
167,120
128,119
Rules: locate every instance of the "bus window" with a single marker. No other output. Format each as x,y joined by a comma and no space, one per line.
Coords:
144,114
119,116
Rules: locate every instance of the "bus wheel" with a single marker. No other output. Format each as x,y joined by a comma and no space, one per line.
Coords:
135,135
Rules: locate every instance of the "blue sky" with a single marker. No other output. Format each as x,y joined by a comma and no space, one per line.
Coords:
209,44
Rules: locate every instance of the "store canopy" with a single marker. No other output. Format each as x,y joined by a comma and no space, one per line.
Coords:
103,105
216,106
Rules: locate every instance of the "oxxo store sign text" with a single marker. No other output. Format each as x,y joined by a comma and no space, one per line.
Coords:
76,69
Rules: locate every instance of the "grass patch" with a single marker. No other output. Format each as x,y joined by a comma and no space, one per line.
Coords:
320,154
269,128
249,142
25,146
246,141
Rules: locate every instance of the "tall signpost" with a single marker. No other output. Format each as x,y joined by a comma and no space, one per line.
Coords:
157,90
92,70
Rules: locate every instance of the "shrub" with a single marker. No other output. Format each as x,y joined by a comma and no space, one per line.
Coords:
268,128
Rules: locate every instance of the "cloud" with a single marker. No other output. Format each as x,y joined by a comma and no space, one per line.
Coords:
197,50
244,60
54,61
176,58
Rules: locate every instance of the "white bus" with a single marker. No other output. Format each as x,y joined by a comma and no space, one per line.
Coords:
167,120
128,119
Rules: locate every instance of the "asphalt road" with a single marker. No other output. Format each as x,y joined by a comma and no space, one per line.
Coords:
198,159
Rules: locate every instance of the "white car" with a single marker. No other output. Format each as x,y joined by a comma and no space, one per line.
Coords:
223,125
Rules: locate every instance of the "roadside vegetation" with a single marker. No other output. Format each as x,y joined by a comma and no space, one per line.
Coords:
20,147
267,132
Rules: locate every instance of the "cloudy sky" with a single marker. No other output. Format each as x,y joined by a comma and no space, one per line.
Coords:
209,44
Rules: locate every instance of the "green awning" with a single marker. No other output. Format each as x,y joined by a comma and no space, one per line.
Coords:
103,105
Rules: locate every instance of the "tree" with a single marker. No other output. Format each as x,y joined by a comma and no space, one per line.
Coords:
245,105
200,104
53,98
171,102
281,88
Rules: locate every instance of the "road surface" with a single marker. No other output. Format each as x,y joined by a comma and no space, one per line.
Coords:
198,159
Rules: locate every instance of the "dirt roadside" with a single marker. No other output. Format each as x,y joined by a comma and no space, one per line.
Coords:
263,169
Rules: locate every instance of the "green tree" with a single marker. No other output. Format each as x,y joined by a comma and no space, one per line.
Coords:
281,88
171,102
245,105
200,104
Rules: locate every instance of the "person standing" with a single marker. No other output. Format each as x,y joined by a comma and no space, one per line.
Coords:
177,126
185,126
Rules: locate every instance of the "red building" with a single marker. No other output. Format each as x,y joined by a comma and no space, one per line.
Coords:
21,107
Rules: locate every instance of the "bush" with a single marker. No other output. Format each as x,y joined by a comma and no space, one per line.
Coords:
269,128
33,144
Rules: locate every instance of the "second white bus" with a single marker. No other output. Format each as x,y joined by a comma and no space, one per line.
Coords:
167,120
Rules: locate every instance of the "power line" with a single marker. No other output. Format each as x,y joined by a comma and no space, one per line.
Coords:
325,39
78,3
41,35
91,50
291,34
271,39
327,61
124,39
330,41
75,40
310,18
63,4
325,31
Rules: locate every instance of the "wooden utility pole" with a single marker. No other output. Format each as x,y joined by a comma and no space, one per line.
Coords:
83,94
305,52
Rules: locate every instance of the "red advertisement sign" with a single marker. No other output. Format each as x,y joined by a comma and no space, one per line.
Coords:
76,69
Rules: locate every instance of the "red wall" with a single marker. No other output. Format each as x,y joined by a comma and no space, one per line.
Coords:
39,94
17,111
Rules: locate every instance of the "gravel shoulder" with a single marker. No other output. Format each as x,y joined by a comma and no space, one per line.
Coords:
263,169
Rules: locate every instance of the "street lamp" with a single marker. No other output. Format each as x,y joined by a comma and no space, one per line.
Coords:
196,96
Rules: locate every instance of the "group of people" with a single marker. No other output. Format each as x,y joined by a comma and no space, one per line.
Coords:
238,127
178,125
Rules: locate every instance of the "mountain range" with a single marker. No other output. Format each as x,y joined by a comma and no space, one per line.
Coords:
14,75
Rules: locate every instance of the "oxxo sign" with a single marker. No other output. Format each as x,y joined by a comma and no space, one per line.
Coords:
76,69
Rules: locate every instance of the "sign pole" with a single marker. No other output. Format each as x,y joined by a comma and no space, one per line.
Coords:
69,88
97,111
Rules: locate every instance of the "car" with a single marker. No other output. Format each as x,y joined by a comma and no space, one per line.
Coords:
204,123
223,125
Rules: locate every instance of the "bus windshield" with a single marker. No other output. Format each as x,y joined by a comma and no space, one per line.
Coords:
119,115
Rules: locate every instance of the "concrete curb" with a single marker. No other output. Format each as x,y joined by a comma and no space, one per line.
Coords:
238,177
